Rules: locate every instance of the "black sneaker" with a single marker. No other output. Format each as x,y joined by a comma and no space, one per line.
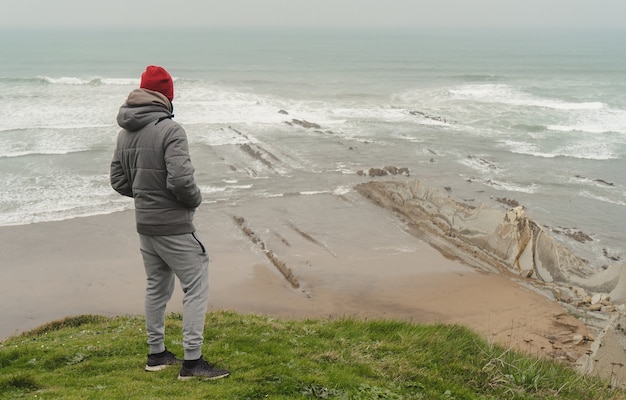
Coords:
202,370
157,362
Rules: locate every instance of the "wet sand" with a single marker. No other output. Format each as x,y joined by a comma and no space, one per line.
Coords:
349,258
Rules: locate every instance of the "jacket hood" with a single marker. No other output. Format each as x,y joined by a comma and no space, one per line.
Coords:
142,107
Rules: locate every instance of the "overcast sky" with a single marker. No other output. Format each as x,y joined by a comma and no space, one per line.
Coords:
324,13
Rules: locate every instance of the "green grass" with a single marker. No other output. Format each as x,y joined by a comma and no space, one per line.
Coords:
93,357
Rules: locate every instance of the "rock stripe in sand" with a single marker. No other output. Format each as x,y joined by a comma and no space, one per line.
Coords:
280,265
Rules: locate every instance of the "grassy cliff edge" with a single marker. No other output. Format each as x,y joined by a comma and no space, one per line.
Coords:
92,356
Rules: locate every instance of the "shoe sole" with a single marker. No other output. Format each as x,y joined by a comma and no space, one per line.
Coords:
204,378
155,368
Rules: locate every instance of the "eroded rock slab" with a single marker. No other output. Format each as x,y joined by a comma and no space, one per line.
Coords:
508,240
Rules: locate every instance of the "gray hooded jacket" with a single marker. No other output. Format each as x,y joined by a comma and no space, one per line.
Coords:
151,163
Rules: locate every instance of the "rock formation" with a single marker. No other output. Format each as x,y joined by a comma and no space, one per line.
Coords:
303,123
279,264
387,170
509,241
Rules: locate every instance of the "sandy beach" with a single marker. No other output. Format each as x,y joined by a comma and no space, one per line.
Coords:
353,259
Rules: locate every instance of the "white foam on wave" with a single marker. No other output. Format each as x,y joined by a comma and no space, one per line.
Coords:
199,133
51,141
507,94
587,149
221,189
14,149
212,189
596,184
213,104
16,154
249,186
479,164
57,195
72,80
70,106
83,104
203,103
344,169
383,114
29,217
342,190
66,80
511,187
120,81
295,193
604,199
44,122
531,149
605,120
314,192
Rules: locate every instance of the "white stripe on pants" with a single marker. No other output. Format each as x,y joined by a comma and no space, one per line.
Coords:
182,256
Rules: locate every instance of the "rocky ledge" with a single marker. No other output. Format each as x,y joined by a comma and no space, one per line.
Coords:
508,241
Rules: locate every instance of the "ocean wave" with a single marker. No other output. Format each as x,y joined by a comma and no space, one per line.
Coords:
118,81
221,189
16,143
4,131
530,128
603,121
313,192
212,189
29,217
342,168
11,81
54,195
526,148
598,183
511,187
478,77
66,80
210,104
52,152
295,193
57,128
71,80
248,186
38,129
588,150
507,94
604,199
342,190
198,133
479,164
583,149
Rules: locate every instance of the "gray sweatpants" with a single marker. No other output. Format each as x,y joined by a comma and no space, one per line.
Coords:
184,257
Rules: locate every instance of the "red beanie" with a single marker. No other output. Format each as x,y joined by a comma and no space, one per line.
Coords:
158,79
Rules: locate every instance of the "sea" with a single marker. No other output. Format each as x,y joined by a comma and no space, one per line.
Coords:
536,118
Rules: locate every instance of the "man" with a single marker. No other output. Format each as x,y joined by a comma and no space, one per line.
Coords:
151,163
